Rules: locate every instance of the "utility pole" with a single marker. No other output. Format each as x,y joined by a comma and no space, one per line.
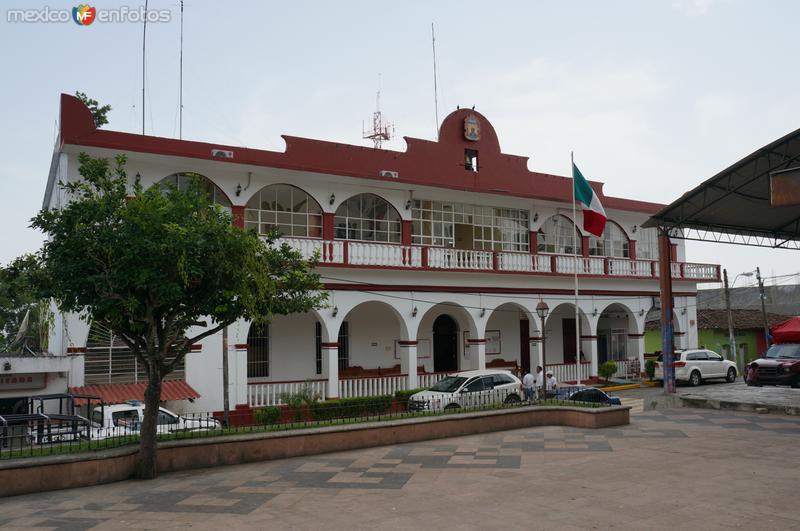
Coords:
763,305
731,337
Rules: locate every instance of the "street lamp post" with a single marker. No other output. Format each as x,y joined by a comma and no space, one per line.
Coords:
731,337
541,310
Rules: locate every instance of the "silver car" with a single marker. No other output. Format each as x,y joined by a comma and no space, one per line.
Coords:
468,389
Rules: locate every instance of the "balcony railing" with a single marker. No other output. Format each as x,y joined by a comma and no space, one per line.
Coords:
372,254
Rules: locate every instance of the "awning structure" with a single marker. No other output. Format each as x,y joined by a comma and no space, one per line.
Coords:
754,202
121,393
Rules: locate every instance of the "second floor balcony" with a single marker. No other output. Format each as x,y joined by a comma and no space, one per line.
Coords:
418,257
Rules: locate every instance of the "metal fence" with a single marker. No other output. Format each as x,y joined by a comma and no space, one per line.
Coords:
42,436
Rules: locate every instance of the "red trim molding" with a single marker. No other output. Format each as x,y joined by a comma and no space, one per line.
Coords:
75,350
240,346
476,341
635,335
535,338
588,337
237,213
407,343
197,347
330,345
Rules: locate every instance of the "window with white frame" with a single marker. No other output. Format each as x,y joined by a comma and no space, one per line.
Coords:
182,181
614,242
433,223
647,244
558,235
289,209
367,217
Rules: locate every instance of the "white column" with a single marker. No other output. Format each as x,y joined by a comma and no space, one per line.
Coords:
330,353
408,360
590,350
639,342
477,351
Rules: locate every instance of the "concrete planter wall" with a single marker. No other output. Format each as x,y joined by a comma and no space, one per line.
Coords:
21,476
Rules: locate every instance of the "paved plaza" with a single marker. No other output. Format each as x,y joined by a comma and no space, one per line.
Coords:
676,468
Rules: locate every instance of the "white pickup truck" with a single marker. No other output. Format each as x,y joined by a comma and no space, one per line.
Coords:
126,419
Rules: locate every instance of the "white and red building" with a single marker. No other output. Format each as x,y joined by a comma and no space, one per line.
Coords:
434,257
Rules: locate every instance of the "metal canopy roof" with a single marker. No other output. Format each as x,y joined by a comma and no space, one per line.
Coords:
734,206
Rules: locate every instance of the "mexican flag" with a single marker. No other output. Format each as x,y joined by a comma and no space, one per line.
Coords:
594,217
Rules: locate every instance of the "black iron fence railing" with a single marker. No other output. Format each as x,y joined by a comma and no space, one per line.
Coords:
42,435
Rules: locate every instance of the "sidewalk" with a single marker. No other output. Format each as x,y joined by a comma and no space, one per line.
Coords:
739,396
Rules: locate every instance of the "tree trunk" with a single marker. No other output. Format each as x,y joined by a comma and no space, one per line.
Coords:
147,465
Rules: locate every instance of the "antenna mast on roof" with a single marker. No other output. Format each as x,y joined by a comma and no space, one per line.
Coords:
381,132
435,83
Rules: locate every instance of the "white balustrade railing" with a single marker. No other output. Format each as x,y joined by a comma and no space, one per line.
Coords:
382,254
404,256
586,266
372,386
444,258
269,393
568,372
427,379
701,271
329,251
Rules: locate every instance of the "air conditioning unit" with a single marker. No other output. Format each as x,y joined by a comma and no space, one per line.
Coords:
389,173
222,153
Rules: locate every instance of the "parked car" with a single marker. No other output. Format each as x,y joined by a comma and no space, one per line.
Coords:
695,365
595,396
468,389
779,366
126,419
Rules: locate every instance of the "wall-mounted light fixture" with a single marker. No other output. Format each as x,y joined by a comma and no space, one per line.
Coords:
7,366
335,311
332,200
138,178
641,312
408,204
414,312
594,313
238,190
683,311
483,312
633,230
535,217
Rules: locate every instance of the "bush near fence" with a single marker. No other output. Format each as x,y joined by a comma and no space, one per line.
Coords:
401,396
266,416
364,406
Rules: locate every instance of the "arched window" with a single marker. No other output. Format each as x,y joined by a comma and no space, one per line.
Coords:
258,350
367,217
558,235
647,244
290,209
182,181
614,242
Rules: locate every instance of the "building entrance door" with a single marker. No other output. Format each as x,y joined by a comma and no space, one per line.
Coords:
568,338
445,344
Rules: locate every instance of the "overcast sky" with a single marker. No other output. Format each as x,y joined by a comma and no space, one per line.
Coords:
653,97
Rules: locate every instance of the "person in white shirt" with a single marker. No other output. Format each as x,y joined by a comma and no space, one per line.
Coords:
540,381
552,384
527,386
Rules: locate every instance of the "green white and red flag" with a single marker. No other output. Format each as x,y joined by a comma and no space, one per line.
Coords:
594,217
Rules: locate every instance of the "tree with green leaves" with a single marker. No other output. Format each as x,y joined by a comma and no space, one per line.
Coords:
23,315
99,114
163,269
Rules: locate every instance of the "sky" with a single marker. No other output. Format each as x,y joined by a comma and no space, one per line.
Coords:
653,97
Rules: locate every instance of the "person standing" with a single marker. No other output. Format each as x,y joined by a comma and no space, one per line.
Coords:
527,386
540,381
552,384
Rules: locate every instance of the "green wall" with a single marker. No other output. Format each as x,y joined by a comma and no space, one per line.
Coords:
713,339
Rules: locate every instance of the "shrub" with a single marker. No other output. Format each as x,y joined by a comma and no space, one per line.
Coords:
351,407
650,369
607,370
265,416
305,396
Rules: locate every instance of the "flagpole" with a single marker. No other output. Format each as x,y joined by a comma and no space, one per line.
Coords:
575,253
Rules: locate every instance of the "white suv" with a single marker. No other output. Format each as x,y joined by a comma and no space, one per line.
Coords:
468,389
694,366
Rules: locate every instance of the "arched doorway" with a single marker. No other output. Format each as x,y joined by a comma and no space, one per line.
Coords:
445,344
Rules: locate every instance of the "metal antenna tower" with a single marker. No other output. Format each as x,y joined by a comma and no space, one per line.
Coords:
381,132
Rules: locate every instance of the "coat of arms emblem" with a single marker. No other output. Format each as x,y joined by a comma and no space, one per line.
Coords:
472,128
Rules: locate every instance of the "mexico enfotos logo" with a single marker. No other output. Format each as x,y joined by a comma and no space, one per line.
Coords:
86,15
